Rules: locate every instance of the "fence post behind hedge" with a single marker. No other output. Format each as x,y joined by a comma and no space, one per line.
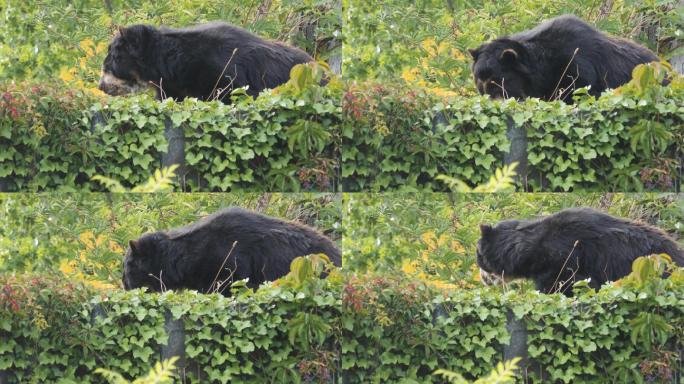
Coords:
176,344
176,150
518,345
335,61
518,151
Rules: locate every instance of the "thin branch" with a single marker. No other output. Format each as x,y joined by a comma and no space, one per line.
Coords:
218,80
564,71
159,86
162,286
222,265
565,263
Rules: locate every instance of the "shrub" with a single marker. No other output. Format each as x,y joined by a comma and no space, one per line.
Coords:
628,140
56,140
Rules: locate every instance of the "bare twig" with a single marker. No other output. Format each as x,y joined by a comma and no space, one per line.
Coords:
502,86
503,278
571,87
159,86
162,286
218,80
560,79
565,263
564,285
221,267
221,286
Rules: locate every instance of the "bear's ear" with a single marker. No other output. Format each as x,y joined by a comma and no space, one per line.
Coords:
508,56
485,229
474,53
133,244
136,37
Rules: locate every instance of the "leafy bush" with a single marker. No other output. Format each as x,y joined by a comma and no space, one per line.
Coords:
56,140
162,373
383,328
161,181
51,331
401,331
284,141
504,373
628,140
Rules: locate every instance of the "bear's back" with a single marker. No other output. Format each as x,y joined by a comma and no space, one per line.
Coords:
561,28
611,231
252,227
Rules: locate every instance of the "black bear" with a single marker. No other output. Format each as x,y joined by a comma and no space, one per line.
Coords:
571,245
207,61
553,59
230,245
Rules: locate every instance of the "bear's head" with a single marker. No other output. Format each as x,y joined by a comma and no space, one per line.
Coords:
500,69
145,264
505,251
126,68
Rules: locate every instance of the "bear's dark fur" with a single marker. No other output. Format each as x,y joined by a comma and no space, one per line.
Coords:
190,257
571,245
206,61
542,62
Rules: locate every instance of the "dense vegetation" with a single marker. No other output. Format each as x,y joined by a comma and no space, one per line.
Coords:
426,42
284,140
400,330
83,236
44,39
381,328
434,235
401,139
55,330
411,98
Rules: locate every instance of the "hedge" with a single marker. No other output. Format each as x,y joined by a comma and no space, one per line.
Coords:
55,331
363,329
402,331
56,139
402,138
385,137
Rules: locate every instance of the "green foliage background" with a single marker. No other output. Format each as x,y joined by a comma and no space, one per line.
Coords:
38,37
383,38
42,232
384,231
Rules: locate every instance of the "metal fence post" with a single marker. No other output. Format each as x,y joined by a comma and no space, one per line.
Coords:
335,61
518,345
176,344
518,151
96,119
175,153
